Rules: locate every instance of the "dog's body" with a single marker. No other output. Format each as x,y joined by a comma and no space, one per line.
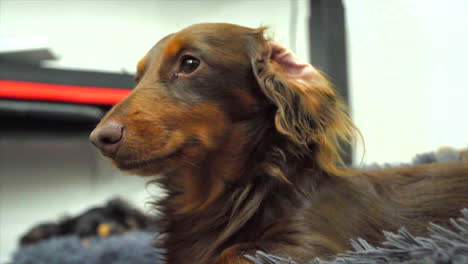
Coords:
247,140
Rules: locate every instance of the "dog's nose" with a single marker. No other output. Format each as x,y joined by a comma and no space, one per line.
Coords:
107,138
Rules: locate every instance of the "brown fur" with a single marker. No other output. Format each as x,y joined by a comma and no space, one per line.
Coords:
250,156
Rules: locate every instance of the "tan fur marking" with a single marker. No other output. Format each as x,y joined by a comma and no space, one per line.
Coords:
173,46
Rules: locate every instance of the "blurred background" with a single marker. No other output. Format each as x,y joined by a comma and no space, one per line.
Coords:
400,64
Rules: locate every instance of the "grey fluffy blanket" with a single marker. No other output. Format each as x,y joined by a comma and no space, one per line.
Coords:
444,245
135,247
443,154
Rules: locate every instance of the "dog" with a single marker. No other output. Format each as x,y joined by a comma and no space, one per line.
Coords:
116,217
246,139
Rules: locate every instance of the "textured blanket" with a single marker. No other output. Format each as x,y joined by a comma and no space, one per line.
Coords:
444,245
135,247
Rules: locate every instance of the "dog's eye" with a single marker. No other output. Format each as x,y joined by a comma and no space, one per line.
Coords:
189,64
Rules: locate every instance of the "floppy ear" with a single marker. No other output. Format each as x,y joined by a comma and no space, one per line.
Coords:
308,112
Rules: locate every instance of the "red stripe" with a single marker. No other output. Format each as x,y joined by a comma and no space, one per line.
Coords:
61,93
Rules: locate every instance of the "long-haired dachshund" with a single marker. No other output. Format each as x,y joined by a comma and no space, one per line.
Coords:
246,140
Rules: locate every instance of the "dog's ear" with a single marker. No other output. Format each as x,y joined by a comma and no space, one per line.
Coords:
308,111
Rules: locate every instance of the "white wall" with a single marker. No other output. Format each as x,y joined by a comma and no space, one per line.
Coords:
43,178
111,35
408,68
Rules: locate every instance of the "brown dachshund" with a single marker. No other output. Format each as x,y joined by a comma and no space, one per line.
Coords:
246,140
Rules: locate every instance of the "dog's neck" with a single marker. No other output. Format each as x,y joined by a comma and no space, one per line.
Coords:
195,187
229,188
249,150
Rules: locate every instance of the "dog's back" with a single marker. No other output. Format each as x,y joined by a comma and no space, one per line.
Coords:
366,204
431,192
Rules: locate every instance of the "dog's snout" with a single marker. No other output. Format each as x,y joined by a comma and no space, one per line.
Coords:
107,138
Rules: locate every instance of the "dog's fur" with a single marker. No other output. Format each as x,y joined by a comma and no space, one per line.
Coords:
248,148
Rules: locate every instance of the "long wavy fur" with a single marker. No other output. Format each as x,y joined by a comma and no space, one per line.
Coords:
309,113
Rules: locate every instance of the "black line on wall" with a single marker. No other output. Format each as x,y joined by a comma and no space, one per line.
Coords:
327,28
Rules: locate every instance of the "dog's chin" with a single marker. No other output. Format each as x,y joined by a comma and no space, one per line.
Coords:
148,166
149,169
156,163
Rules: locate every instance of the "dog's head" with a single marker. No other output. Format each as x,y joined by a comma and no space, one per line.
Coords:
196,85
